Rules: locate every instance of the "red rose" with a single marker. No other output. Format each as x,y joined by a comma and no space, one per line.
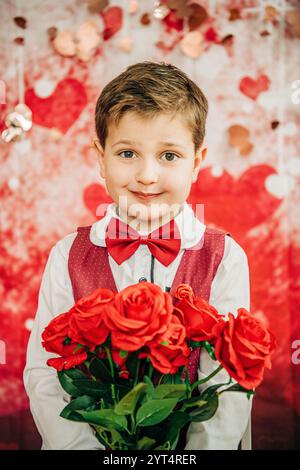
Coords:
243,347
55,340
169,351
184,291
55,334
75,359
138,314
199,317
87,321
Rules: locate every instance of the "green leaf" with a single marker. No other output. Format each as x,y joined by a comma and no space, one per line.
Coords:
145,443
106,418
81,403
67,383
94,389
175,424
192,402
75,374
170,391
99,370
112,439
150,387
102,437
128,403
155,411
238,388
164,446
210,391
176,421
206,411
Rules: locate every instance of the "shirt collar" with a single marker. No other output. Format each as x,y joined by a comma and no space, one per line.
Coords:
190,227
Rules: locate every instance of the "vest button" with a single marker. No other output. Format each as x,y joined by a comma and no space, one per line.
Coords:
141,279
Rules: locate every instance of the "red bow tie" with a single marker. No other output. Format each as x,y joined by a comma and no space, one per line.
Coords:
122,241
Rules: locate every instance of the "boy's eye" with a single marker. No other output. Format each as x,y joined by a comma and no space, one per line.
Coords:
170,154
129,153
126,152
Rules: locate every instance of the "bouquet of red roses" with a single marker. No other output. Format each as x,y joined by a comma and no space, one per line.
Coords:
123,360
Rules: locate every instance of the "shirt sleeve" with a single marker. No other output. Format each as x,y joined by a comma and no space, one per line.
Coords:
230,290
46,396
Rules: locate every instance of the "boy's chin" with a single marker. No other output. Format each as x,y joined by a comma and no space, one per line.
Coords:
149,212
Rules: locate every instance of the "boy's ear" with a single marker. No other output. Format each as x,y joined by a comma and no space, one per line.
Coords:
100,156
199,157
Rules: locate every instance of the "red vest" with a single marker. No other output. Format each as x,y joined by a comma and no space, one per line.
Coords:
89,269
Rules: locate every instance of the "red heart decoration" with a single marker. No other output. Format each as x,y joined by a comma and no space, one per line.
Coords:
252,88
94,195
172,21
3,112
113,21
62,108
235,205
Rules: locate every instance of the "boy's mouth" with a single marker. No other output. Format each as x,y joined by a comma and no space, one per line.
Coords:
146,195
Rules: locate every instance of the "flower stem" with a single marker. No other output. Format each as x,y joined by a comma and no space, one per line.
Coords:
206,379
112,370
150,372
161,379
133,425
137,371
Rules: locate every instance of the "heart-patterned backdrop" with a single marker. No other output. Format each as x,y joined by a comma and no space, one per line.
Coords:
245,57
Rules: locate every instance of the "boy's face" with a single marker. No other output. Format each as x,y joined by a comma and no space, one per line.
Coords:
148,165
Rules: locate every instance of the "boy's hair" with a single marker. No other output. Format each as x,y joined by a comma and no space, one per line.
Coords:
149,88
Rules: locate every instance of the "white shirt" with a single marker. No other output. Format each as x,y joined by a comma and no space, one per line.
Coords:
229,291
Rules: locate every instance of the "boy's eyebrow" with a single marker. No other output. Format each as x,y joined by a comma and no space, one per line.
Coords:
130,142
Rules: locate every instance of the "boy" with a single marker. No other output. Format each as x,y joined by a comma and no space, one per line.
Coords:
150,124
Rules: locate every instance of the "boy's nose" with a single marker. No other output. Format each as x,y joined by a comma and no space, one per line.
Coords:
147,174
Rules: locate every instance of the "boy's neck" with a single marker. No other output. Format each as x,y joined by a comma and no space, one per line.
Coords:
144,227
